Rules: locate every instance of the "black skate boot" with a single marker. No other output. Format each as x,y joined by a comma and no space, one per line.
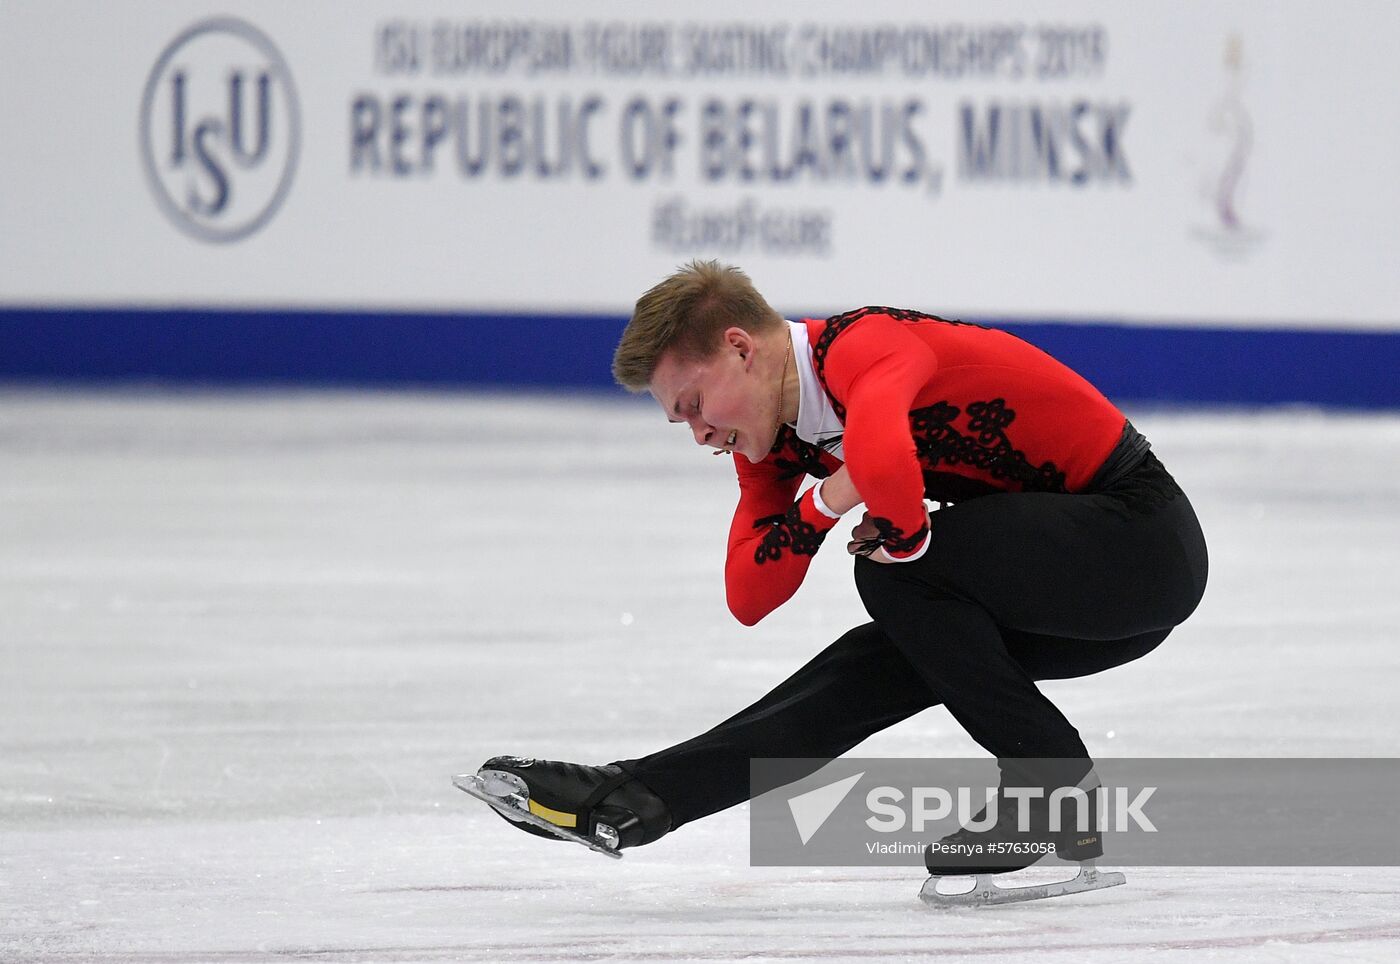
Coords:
602,807
984,848
989,845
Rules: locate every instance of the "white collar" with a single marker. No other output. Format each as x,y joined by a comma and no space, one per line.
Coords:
816,419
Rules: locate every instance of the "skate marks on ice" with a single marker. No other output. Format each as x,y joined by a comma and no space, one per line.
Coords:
855,916
385,889
692,898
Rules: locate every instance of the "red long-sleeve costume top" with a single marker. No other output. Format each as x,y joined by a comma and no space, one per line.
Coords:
927,408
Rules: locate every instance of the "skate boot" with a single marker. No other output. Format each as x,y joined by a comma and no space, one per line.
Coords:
988,846
603,808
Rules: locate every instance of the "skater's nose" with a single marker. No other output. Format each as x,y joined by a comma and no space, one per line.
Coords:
703,431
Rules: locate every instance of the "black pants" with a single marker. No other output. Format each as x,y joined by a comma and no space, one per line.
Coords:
1014,588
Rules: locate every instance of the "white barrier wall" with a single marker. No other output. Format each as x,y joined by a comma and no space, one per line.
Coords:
1176,162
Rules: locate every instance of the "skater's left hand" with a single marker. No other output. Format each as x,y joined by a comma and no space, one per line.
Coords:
865,539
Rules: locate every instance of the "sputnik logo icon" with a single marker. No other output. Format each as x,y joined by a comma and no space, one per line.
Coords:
811,809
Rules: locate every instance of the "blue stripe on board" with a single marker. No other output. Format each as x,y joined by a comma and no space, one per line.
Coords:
1188,365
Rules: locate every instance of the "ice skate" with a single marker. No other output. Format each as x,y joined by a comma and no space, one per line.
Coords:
1002,847
601,807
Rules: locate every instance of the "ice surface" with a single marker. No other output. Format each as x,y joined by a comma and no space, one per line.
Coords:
247,638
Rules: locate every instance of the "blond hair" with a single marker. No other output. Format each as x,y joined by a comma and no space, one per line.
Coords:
687,312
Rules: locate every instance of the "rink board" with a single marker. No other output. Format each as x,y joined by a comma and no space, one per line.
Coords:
1183,364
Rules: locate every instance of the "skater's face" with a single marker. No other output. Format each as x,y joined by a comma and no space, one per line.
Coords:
727,400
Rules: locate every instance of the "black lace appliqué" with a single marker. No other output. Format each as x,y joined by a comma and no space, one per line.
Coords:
892,537
937,441
796,457
787,532
836,324
988,448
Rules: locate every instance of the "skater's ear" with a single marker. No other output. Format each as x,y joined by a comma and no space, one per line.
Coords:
738,341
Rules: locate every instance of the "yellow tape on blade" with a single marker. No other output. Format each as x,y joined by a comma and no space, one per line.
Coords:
556,817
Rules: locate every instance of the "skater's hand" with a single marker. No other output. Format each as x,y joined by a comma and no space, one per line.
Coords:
865,539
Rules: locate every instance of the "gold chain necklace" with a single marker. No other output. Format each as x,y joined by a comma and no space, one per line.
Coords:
782,388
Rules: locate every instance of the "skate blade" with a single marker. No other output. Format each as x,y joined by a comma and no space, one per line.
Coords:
510,807
986,893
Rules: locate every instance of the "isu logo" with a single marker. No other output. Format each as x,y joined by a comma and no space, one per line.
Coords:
220,130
